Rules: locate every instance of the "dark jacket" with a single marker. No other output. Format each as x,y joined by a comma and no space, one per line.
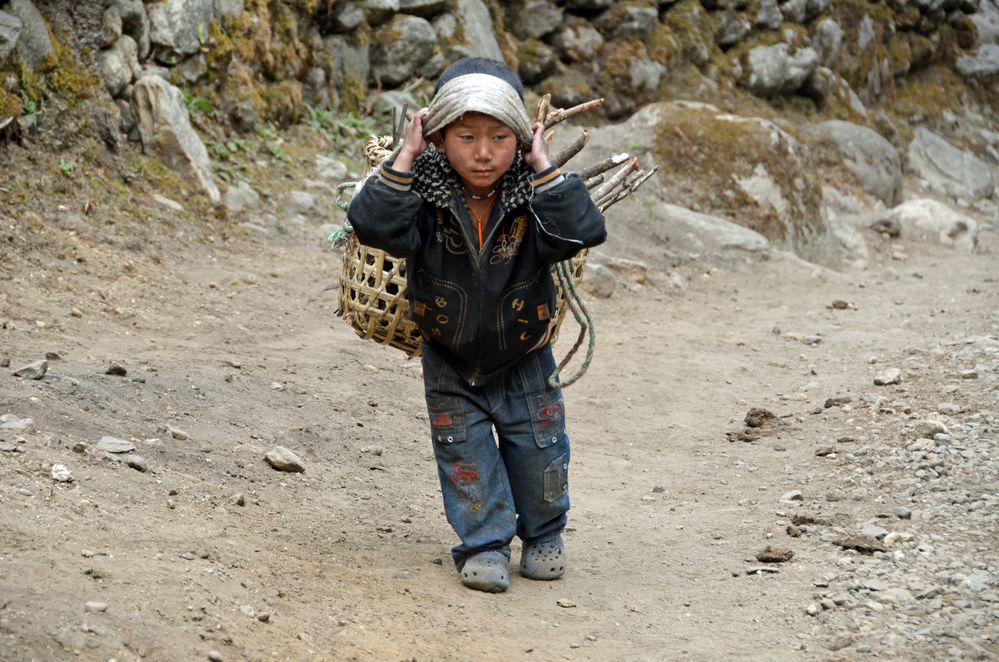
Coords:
483,311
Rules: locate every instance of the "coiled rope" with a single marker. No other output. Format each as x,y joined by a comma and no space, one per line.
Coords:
579,311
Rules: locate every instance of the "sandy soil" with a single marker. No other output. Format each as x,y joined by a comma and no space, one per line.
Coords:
231,348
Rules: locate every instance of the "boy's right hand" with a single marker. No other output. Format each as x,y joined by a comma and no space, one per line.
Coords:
413,143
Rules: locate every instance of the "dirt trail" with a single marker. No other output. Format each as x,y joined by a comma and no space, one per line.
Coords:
233,345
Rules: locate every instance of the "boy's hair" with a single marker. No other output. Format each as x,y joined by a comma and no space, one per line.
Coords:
481,65
479,85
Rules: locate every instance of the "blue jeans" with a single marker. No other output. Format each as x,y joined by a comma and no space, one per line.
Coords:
518,486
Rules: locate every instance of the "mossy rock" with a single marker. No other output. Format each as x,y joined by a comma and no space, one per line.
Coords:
568,89
693,28
663,45
536,60
928,93
747,169
626,76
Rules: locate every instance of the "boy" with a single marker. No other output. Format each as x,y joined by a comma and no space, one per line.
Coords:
480,218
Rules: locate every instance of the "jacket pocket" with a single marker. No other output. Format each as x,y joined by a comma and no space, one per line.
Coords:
547,417
447,420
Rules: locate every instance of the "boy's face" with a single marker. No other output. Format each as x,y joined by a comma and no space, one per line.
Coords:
480,148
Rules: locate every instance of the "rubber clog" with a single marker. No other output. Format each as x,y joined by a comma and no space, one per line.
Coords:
486,571
543,560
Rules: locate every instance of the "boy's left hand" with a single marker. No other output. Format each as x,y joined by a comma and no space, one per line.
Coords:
537,155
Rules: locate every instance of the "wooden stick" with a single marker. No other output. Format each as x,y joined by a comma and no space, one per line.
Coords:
623,171
572,149
603,166
619,191
594,181
560,115
398,128
543,104
621,195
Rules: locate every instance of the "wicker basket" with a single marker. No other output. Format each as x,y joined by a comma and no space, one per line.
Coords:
373,297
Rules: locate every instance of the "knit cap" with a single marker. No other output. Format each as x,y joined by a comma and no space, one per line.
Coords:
481,86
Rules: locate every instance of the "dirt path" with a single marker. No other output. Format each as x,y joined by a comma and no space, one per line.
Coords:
231,349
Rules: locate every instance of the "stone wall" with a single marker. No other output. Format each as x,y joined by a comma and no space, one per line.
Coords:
262,60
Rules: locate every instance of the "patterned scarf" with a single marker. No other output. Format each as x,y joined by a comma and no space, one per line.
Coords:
436,181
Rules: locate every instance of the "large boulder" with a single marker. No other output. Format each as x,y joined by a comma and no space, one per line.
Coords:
714,234
349,69
165,129
627,21
341,17
119,65
986,21
744,169
10,30
777,69
134,22
832,93
769,16
827,39
533,19
569,88
33,45
536,60
933,220
401,46
732,28
577,41
982,64
379,11
478,38
178,27
626,76
871,158
949,169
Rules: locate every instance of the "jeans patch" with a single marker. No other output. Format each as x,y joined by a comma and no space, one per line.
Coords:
447,420
547,417
556,479
465,477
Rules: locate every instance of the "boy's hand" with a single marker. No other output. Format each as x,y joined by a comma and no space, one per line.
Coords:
413,143
537,157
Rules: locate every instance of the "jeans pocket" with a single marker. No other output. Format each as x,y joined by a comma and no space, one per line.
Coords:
547,417
556,478
447,420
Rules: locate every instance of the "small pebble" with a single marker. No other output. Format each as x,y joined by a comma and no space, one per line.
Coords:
888,377
61,474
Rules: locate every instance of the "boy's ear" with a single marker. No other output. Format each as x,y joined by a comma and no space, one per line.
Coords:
438,140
